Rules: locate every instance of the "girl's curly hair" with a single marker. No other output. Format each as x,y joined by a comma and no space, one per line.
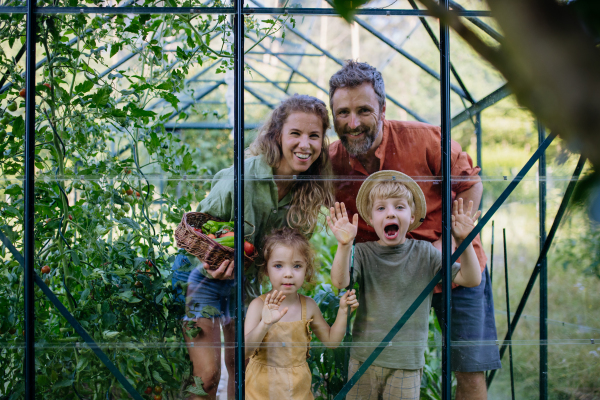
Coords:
291,238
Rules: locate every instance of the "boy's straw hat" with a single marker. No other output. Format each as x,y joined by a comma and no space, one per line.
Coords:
396,176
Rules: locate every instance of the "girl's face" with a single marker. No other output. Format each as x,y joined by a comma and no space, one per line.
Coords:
301,143
286,269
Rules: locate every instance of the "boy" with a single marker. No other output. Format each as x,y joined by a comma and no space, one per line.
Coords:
391,273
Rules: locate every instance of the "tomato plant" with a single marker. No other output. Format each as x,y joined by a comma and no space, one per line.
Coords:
99,140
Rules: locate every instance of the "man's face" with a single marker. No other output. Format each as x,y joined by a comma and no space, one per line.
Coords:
356,117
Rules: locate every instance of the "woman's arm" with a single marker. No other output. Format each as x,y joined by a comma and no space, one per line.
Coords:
331,336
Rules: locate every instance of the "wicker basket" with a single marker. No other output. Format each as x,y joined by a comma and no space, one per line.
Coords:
200,245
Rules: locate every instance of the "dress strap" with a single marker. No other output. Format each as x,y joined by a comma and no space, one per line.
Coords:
303,304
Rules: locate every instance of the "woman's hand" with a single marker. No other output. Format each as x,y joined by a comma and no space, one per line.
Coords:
339,223
270,311
225,271
348,299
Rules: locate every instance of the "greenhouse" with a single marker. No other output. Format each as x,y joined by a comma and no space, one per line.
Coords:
327,199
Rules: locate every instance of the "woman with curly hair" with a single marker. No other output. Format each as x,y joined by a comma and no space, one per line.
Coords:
286,170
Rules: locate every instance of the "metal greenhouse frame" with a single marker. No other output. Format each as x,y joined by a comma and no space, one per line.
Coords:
238,11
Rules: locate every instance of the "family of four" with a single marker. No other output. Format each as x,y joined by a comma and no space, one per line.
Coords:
386,172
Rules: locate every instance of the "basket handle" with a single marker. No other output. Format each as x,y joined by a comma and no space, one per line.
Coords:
253,229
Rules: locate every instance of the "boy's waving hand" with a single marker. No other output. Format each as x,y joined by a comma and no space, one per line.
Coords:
339,223
462,223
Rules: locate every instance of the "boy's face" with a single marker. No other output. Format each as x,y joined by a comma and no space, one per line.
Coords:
391,219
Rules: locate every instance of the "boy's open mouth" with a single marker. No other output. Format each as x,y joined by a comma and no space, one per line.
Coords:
391,231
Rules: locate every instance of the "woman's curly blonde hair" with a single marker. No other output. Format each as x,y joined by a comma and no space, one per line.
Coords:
312,189
289,238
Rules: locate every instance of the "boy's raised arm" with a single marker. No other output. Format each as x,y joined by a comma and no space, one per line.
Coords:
462,224
345,232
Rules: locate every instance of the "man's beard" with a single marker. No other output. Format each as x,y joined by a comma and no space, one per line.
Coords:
359,147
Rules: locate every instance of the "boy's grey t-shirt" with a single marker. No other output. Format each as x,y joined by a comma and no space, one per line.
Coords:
390,279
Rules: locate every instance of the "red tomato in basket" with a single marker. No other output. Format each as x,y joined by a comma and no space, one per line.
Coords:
227,234
211,236
248,248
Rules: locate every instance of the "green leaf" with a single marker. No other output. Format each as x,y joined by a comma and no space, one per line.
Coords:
210,311
130,223
84,86
197,388
18,128
100,98
188,162
156,376
61,384
347,8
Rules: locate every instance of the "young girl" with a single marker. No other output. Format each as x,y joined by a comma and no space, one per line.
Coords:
278,324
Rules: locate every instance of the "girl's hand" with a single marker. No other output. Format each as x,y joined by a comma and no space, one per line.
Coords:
339,223
271,312
349,299
462,223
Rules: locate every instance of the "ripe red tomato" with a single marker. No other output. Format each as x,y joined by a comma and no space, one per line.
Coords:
149,263
158,396
127,171
23,93
227,234
148,390
248,248
45,269
70,217
129,191
157,390
211,236
47,85
137,194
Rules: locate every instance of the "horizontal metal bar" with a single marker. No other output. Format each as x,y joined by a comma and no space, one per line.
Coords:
289,54
231,10
481,105
360,11
207,125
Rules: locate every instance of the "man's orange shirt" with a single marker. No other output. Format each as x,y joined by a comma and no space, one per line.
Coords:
413,148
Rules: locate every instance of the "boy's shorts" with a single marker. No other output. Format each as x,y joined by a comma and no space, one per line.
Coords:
472,320
380,383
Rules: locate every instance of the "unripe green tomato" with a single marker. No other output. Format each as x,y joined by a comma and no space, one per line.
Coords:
59,73
5,120
121,213
123,191
107,195
12,107
128,199
126,207
49,234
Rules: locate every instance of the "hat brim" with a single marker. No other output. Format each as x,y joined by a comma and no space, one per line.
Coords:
388,175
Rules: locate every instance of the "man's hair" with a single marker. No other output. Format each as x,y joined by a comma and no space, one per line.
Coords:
290,238
390,190
353,74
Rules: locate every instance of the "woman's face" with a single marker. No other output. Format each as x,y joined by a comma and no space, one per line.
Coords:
301,143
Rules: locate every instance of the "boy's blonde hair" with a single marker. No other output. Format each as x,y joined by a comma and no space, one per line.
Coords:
290,238
390,190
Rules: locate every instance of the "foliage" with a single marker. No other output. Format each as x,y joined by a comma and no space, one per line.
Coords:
109,191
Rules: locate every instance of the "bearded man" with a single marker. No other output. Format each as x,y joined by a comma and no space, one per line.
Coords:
370,143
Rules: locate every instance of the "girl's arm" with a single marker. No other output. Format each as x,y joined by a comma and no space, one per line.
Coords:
259,319
345,232
331,336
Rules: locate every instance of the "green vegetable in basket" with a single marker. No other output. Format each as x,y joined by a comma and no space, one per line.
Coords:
214,226
225,241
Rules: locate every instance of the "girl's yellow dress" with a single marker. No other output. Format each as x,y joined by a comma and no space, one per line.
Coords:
278,369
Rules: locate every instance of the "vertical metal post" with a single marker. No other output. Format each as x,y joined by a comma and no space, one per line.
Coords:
446,206
543,271
509,329
29,222
238,162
